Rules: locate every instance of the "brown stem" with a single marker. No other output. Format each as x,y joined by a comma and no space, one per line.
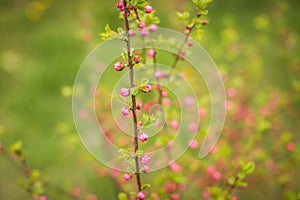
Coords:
133,98
187,35
231,187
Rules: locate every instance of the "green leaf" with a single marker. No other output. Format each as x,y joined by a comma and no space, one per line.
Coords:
122,196
186,16
242,184
108,33
202,4
146,185
231,181
135,91
204,12
242,165
179,15
132,193
120,30
241,175
17,148
145,117
249,168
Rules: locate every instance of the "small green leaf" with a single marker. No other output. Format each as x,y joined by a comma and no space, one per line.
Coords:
231,181
249,168
122,196
242,184
241,175
204,12
132,193
146,185
145,117
179,15
17,148
120,30
242,165
135,91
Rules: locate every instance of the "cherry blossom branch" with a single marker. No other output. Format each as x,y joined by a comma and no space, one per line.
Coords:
133,98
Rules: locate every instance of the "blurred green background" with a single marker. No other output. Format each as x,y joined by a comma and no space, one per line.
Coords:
43,42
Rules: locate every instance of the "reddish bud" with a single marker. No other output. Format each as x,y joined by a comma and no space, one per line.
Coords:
143,137
139,105
120,5
137,59
119,66
148,9
142,25
126,177
205,22
141,195
125,111
144,32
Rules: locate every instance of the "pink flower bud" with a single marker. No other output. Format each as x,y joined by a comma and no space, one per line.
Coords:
144,32
151,53
153,27
131,33
202,112
146,169
205,22
193,127
187,31
189,101
174,124
169,187
216,175
124,92
175,196
190,44
42,198
290,146
140,124
75,192
193,144
125,111
206,195
137,59
175,167
120,5
142,25
147,88
143,137
166,101
157,86
159,74
145,159
148,9
126,177
119,66
183,53
141,195
210,170
234,198
164,93
231,92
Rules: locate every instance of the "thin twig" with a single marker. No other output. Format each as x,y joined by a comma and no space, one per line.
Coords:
187,35
133,98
